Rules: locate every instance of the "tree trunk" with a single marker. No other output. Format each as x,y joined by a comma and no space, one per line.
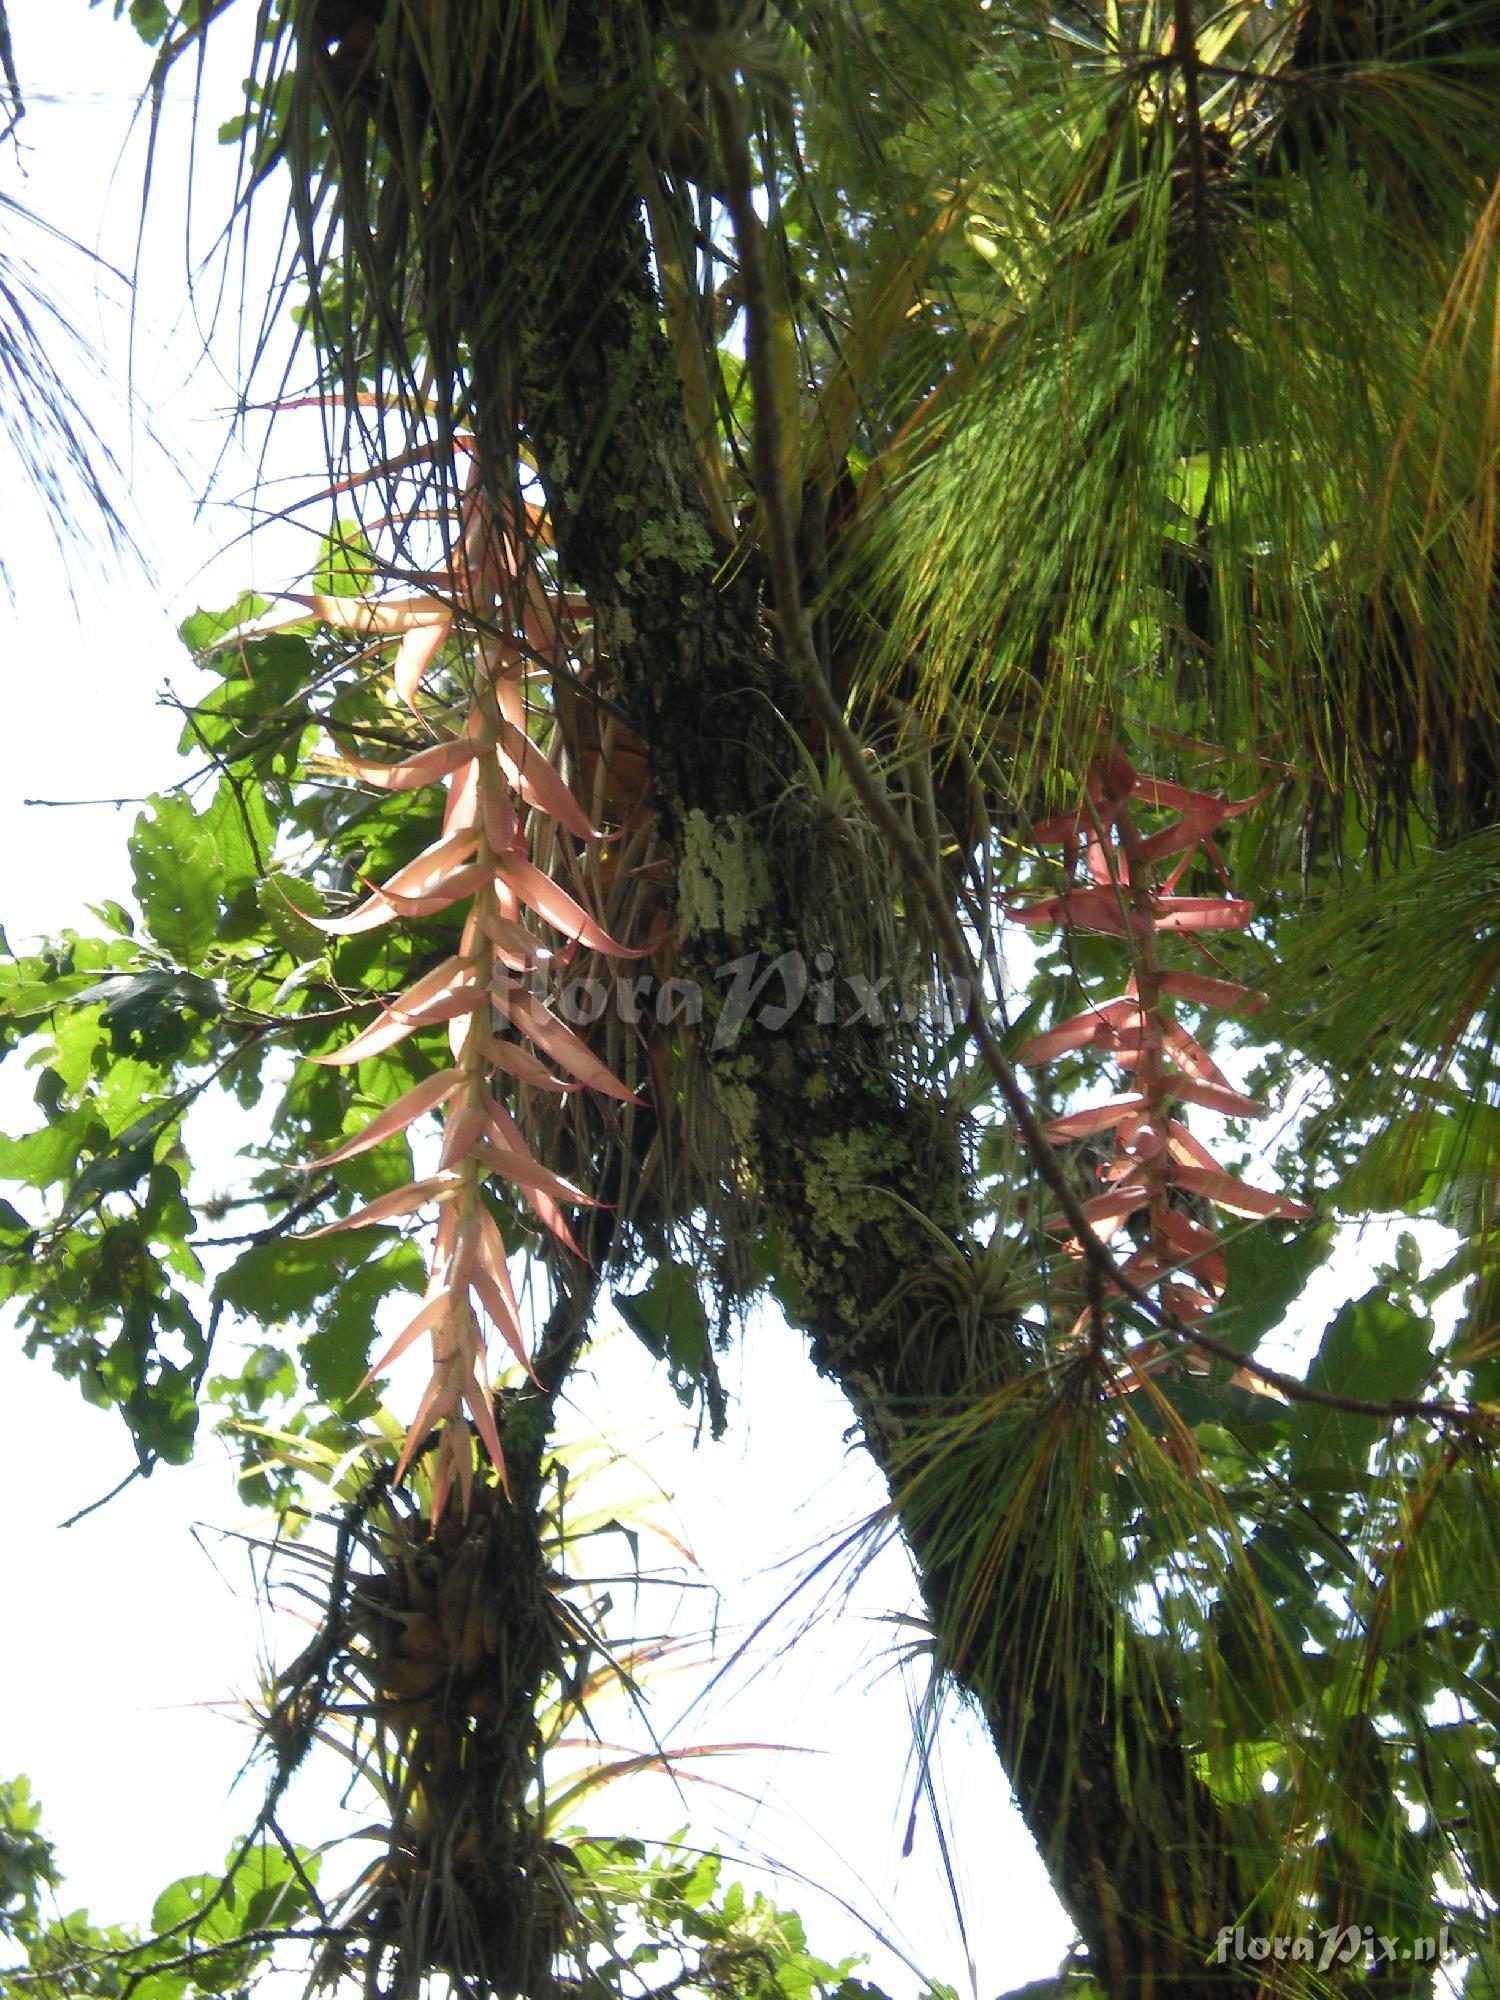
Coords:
1142,1855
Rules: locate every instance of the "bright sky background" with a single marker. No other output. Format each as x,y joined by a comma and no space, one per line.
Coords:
133,1635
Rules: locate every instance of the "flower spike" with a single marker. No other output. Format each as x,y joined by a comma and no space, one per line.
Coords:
1157,1164
498,783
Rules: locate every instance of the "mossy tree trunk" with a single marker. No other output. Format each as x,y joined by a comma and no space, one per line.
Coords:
1141,1854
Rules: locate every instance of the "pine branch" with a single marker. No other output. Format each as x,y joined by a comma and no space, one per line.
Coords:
797,641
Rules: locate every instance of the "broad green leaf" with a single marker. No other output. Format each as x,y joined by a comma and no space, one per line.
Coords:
239,822
14,1228
336,1356
282,1279
155,1014
1267,1270
150,19
286,901
202,630
120,1165
669,1318
181,1901
768,1254
178,878
345,565
1373,1350
47,1156
157,1397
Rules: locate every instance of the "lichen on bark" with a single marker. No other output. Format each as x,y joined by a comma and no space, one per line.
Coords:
722,879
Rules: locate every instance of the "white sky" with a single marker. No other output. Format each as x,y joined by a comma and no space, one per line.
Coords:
133,1634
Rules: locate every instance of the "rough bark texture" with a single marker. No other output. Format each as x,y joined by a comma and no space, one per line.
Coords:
1141,1854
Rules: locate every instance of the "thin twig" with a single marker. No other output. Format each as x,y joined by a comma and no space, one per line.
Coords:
130,799
314,1198
135,1472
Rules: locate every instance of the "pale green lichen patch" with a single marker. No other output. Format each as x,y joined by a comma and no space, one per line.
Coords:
737,1101
842,1182
681,540
722,883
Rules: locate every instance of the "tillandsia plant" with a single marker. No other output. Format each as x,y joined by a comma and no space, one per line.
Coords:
499,784
1129,891
466,1670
